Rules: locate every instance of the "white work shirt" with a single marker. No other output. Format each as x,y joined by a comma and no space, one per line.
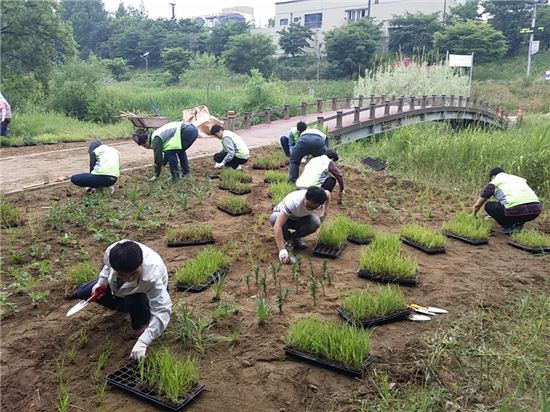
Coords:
294,206
153,281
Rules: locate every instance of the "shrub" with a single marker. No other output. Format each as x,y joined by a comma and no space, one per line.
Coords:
10,216
367,304
193,232
278,191
469,226
81,273
383,258
423,236
196,271
531,238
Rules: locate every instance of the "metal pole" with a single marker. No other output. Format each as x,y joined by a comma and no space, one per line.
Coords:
368,11
318,60
470,82
444,11
533,21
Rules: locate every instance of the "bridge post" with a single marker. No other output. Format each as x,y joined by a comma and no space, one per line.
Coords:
360,103
382,98
247,120
285,112
411,104
267,116
467,104
400,105
443,100
348,102
356,114
319,106
474,103
334,103
320,121
393,98
229,122
339,116
434,97
386,107
372,111
424,101
372,99
303,109
460,98
452,102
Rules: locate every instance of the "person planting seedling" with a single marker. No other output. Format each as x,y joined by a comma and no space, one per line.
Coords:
316,173
104,167
289,141
172,139
312,142
134,279
234,151
300,211
516,202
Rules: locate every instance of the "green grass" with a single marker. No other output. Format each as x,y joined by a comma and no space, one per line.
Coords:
369,304
274,161
383,258
276,176
10,216
332,234
356,230
332,341
278,191
229,174
192,232
423,236
168,375
234,185
467,225
235,204
531,238
82,272
197,270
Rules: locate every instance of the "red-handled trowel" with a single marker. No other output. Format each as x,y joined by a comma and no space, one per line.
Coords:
79,306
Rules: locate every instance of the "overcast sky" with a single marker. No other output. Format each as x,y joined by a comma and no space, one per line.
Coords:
263,9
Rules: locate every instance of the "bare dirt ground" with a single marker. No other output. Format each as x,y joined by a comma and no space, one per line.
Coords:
254,374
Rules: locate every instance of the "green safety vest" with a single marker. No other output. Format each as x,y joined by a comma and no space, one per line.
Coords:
241,149
293,135
170,134
108,161
513,190
315,173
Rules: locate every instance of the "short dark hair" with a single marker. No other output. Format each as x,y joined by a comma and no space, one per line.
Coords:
301,126
126,256
140,137
215,129
495,171
316,195
332,155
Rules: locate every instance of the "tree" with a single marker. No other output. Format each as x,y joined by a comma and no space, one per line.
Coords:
203,71
250,51
222,33
467,37
89,22
463,12
543,19
509,17
117,67
294,38
351,47
121,11
270,22
176,60
410,32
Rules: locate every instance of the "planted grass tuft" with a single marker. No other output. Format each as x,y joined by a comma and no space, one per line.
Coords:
274,161
278,191
367,304
468,226
10,216
198,271
275,176
423,236
383,259
230,174
531,238
234,205
82,272
332,234
190,233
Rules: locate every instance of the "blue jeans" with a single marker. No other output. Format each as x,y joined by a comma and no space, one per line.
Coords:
137,305
308,144
302,227
4,127
285,144
95,181
188,136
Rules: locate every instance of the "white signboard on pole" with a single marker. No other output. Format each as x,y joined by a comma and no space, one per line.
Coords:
461,60
535,46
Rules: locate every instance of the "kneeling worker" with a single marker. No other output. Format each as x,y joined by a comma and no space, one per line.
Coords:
312,142
316,173
104,167
516,202
134,279
288,142
234,151
172,140
302,212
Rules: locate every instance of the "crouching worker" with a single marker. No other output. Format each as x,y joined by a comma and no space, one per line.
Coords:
316,173
312,142
171,140
302,212
288,142
516,202
134,279
104,167
234,151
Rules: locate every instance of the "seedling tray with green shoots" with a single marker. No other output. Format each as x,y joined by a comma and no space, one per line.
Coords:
469,229
278,191
196,274
531,241
332,238
423,238
275,176
358,233
234,206
274,161
189,235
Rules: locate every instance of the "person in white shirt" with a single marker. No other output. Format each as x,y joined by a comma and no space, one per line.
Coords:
134,279
302,212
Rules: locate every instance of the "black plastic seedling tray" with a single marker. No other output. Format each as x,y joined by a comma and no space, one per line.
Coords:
239,192
467,240
533,250
428,250
367,323
127,378
269,167
328,251
360,241
382,278
375,164
338,367
223,209
199,288
189,242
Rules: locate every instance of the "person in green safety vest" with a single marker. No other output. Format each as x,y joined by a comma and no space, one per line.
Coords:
234,151
316,173
288,142
171,140
104,167
516,202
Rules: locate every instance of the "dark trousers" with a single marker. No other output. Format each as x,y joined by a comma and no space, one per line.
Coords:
497,212
188,136
90,180
4,127
234,163
309,144
137,305
329,184
285,145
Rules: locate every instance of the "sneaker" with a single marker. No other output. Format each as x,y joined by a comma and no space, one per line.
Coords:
239,167
508,230
111,189
299,243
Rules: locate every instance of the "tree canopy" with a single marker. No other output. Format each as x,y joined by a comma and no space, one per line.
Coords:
89,24
294,38
250,51
410,32
222,33
510,17
463,12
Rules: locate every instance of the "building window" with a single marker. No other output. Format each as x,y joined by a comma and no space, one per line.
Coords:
356,14
297,19
314,21
283,22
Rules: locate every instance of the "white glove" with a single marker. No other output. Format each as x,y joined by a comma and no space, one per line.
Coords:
218,165
283,256
138,351
153,179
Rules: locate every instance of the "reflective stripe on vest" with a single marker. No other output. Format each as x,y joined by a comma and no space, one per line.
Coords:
512,190
108,161
293,135
170,135
241,149
314,131
315,173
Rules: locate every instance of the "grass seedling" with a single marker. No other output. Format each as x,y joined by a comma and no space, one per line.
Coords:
327,275
190,233
360,231
275,176
10,216
423,236
366,304
218,288
531,238
263,282
383,258
196,271
256,270
247,278
234,185
275,267
235,204
81,273
313,289
264,311
332,234
466,225
273,161
296,275
63,398
71,353
278,191
82,338
224,310
229,174
100,385
344,344
282,294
